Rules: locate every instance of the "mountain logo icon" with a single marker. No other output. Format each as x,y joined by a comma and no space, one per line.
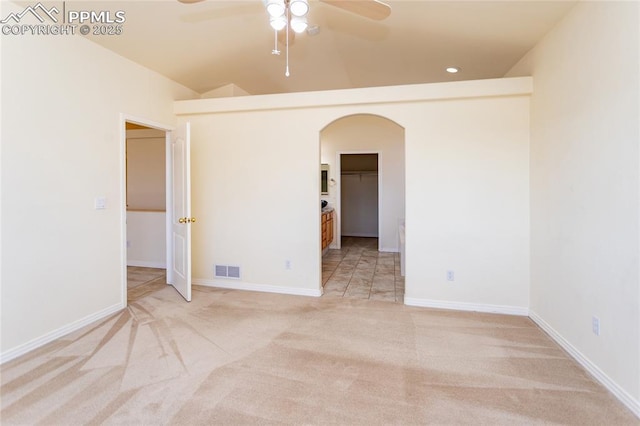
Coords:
38,11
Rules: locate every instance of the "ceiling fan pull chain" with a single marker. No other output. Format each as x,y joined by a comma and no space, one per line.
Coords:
286,73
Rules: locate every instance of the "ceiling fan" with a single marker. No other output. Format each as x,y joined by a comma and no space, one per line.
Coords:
372,9
286,15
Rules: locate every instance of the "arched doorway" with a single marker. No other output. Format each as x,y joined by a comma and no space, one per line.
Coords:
362,259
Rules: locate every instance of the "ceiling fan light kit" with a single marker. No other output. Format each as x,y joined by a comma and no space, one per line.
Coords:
287,14
278,22
299,24
292,14
275,8
299,7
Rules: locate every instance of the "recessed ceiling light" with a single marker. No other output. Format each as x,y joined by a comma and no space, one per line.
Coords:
453,70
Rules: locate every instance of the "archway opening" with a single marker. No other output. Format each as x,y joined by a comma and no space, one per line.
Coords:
363,186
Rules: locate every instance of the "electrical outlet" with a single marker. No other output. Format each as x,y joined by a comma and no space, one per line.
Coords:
450,276
595,325
287,264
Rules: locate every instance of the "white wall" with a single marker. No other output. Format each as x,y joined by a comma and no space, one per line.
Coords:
146,239
467,187
369,133
62,97
359,205
256,199
585,188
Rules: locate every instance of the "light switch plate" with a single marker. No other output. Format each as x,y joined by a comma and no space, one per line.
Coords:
100,203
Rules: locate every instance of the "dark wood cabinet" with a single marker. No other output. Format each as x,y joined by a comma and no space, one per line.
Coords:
327,228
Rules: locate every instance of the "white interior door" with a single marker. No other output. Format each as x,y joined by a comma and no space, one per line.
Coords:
180,207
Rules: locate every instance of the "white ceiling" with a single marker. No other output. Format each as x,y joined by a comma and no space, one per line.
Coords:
214,43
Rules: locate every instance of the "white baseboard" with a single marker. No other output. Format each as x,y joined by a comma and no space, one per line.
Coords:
389,250
624,397
240,285
360,234
147,264
462,306
56,334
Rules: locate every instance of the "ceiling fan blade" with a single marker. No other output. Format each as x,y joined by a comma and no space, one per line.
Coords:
219,11
351,24
190,1
372,9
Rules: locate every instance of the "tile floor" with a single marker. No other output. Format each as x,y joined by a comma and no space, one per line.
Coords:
359,270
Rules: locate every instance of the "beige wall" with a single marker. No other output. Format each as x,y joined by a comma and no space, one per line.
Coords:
369,133
146,239
585,189
61,147
255,186
146,170
468,203
225,91
256,183
253,193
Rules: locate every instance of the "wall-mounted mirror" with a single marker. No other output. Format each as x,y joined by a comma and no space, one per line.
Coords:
324,179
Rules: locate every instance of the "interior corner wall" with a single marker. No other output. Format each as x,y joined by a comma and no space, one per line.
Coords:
585,190
62,97
369,133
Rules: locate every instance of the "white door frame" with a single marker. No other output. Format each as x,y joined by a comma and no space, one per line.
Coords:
338,207
124,118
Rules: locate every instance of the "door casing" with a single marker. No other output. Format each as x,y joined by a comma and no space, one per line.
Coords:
338,207
124,118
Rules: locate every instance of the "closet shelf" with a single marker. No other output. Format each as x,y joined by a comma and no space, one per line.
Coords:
363,172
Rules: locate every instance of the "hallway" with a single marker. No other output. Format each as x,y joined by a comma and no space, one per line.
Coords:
358,270
143,281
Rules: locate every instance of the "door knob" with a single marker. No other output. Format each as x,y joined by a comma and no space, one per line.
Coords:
192,220
182,220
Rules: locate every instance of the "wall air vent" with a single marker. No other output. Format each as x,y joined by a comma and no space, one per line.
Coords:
225,271
220,270
233,272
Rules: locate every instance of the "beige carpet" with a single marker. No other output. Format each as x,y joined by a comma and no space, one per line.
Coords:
236,358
